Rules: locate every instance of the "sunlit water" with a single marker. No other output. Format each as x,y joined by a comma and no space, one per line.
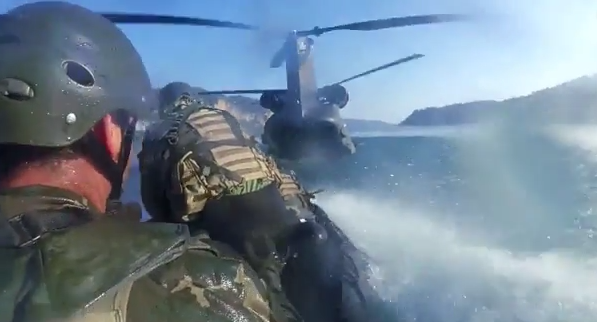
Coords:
495,225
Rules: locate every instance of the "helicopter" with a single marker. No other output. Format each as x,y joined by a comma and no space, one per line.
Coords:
306,120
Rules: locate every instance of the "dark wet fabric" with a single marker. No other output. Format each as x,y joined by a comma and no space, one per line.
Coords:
64,261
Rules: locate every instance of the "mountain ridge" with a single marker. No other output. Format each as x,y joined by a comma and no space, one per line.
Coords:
574,102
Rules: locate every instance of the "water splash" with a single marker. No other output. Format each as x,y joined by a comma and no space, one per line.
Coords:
437,271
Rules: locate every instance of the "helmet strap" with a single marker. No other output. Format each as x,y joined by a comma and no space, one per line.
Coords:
128,135
113,171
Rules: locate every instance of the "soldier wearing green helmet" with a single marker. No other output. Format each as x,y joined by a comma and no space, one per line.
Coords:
174,96
198,167
70,84
190,161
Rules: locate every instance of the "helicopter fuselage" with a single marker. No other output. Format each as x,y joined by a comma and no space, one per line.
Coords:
318,137
306,120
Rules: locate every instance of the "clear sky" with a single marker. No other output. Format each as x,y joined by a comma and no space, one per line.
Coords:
516,47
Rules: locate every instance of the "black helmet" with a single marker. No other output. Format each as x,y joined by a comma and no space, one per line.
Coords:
174,94
62,69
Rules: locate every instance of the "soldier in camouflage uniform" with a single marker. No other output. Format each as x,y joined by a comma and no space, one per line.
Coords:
198,167
70,85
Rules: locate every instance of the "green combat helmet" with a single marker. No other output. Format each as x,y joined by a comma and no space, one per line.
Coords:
173,96
62,69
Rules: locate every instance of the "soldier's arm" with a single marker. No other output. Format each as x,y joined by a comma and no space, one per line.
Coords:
293,193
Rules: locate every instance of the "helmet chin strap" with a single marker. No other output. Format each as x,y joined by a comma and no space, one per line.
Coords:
103,161
128,136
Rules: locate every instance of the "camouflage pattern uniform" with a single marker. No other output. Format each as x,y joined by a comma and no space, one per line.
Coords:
237,167
218,159
65,261
69,279
62,259
197,160
226,289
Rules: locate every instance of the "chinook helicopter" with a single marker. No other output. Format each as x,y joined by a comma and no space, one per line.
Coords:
333,284
306,120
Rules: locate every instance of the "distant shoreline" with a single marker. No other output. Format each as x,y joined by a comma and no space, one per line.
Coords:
573,102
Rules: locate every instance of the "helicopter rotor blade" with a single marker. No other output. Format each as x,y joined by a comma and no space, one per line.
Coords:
131,18
279,57
239,91
382,67
395,22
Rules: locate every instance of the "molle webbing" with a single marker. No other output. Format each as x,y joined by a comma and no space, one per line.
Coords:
221,133
295,198
249,186
288,186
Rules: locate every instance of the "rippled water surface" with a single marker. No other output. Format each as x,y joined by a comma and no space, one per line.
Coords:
490,226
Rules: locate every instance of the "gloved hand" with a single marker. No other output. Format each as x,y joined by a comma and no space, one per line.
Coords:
308,230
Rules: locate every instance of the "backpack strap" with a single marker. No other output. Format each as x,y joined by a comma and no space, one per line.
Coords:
26,229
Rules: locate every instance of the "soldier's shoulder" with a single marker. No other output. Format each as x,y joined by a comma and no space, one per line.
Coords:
216,264
223,259
197,109
70,270
209,280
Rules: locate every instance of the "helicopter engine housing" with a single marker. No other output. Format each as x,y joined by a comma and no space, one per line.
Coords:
272,100
333,94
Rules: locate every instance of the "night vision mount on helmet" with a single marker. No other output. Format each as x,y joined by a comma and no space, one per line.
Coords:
305,118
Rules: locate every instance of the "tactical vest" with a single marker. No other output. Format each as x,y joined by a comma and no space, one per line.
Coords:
289,186
88,267
221,133
217,158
